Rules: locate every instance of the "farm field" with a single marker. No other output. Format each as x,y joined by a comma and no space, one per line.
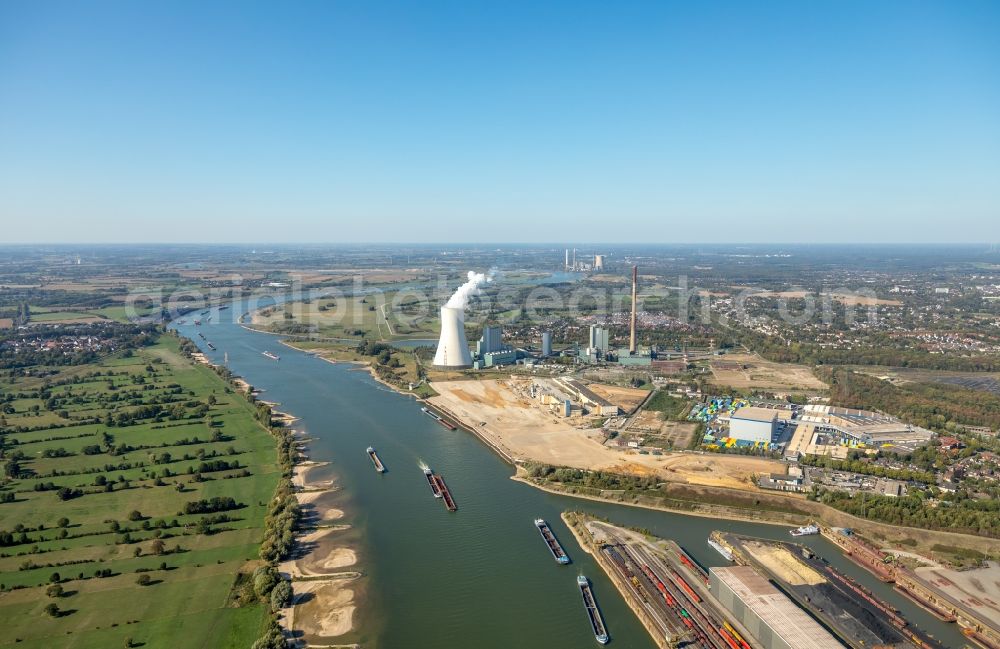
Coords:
66,316
388,316
145,528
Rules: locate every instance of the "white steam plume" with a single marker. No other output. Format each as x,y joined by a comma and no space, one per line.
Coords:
460,299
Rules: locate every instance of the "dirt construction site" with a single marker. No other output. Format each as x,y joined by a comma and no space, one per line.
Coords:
525,430
749,371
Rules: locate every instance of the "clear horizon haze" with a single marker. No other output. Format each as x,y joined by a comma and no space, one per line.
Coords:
349,121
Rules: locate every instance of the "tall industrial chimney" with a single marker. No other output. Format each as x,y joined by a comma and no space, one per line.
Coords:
635,286
453,348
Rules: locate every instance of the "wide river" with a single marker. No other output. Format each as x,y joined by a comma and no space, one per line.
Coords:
480,577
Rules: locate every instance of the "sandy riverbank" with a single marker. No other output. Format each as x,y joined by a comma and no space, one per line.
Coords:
322,569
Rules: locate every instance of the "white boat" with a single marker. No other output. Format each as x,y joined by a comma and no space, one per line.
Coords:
721,549
808,530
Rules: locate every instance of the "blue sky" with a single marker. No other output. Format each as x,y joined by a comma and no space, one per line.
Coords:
473,121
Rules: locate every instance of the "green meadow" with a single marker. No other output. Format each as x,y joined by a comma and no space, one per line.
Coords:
132,505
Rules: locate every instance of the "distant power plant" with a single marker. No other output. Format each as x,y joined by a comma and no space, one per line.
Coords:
571,264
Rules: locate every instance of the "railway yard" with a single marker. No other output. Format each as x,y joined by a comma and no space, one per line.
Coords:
666,588
789,597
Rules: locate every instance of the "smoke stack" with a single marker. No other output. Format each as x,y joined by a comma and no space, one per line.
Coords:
453,348
635,286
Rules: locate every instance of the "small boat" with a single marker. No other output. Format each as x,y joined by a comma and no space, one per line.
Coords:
197,323
375,460
808,530
223,308
596,621
211,346
272,356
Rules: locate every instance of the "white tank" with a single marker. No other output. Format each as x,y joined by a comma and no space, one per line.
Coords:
453,348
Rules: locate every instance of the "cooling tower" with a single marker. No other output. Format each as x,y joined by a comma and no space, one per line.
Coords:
453,348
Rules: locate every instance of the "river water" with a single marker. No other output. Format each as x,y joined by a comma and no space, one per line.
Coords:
480,577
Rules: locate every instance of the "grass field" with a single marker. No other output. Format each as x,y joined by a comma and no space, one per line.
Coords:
388,316
152,466
117,313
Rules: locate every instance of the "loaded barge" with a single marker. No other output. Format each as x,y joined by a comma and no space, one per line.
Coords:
430,480
550,539
596,621
449,502
441,420
375,460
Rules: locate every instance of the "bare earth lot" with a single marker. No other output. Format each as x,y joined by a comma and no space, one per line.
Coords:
628,399
763,375
527,432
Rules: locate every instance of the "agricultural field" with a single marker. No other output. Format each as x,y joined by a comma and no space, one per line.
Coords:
388,316
48,315
132,505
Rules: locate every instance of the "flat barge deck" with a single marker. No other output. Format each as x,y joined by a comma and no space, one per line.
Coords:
439,419
432,482
449,502
376,460
596,621
550,539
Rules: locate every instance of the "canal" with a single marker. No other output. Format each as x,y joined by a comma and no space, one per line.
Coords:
482,576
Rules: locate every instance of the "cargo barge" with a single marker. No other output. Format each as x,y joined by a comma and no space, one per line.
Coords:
272,356
596,621
550,540
449,502
430,480
441,420
375,460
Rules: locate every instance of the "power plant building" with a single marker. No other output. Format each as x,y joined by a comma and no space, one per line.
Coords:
453,347
546,343
490,350
774,621
598,262
598,338
490,342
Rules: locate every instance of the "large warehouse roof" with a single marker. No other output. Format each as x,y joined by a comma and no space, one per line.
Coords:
785,619
755,414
